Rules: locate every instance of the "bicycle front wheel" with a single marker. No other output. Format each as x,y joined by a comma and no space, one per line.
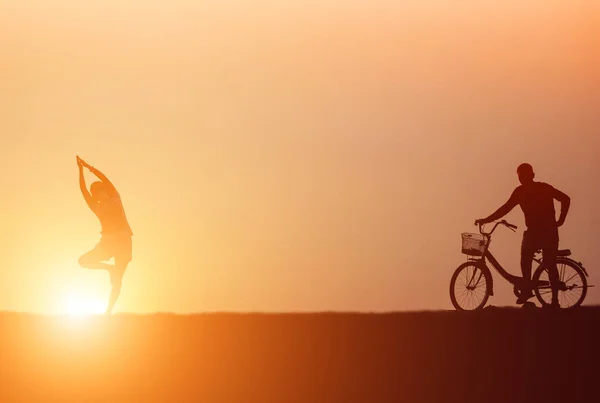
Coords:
469,286
573,284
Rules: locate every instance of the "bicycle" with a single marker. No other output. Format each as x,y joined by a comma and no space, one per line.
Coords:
476,277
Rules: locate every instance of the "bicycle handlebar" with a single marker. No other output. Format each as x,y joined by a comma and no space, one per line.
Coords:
503,222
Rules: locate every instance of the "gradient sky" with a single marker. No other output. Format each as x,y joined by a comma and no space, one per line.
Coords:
277,156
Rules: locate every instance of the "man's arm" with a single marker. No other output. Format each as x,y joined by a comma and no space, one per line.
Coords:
502,211
565,203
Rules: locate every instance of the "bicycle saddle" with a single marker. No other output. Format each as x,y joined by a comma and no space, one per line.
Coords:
560,253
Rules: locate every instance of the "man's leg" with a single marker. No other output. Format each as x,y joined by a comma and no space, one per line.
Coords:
550,251
528,249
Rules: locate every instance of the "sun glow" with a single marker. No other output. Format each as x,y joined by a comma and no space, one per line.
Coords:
82,305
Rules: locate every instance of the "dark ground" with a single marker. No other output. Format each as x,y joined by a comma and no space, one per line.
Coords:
499,355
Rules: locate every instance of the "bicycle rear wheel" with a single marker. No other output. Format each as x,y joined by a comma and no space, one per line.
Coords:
469,286
573,285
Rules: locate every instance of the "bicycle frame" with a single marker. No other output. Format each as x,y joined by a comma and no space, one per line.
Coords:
511,278
484,260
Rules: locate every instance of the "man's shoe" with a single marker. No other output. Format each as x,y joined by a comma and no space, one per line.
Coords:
555,306
524,297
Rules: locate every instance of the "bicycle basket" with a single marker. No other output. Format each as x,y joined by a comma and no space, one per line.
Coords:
473,244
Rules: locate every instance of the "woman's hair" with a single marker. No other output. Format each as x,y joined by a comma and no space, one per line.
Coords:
97,187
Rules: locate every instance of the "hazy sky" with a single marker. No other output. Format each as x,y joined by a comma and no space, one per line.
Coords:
271,155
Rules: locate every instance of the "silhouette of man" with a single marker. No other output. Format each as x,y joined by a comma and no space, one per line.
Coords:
537,202
104,200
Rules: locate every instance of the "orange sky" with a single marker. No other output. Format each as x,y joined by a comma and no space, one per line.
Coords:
298,156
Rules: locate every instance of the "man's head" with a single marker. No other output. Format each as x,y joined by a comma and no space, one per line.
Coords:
525,173
99,191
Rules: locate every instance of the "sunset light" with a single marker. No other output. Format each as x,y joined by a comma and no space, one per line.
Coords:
295,201
79,305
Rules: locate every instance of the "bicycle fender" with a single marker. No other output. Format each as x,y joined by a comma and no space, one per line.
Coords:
583,269
577,264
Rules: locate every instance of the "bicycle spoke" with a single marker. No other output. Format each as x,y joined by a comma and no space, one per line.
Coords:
567,297
574,275
462,294
574,295
571,297
564,298
465,296
472,300
468,300
463,281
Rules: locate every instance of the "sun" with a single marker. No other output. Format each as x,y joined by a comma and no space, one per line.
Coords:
82,305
